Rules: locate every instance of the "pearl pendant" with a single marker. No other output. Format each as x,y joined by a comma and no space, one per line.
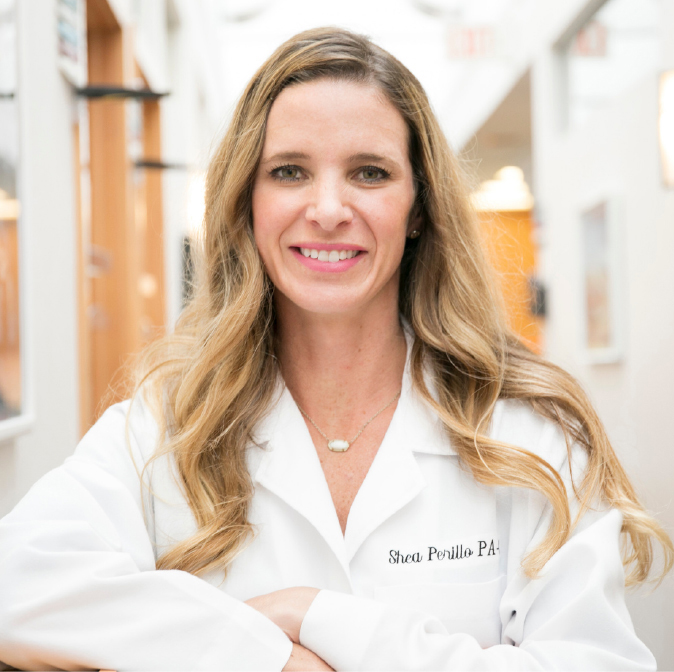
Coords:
338,445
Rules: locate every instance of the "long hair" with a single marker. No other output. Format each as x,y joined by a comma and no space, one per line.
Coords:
212,380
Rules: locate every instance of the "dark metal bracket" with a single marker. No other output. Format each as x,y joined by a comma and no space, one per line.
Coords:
154,164
120,92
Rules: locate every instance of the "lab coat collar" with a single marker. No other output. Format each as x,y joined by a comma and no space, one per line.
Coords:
395,478
421,429
420,426
288,466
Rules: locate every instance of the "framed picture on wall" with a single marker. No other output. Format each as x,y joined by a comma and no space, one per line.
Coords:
601,324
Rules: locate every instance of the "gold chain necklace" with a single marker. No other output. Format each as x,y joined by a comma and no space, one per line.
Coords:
342,445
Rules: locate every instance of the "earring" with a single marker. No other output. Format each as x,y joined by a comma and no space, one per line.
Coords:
414,234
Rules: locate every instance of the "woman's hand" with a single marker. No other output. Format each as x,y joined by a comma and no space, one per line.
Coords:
302,660
286,608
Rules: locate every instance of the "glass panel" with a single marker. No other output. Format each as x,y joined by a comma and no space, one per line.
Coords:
597,280
10,353
609,54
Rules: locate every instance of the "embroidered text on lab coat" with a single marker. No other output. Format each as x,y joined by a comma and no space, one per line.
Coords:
482,548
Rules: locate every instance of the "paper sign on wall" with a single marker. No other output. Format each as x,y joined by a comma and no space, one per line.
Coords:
71,25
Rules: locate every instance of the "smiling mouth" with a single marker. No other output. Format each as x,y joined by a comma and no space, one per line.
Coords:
327,255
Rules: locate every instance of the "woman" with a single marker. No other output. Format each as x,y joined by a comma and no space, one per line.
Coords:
341,458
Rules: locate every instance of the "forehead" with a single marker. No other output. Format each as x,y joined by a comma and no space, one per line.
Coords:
333,115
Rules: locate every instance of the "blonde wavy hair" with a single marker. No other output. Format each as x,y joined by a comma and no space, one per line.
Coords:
212,380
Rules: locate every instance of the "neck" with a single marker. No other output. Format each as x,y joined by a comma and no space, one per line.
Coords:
334,364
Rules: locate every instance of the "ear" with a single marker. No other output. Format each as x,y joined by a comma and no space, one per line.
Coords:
414,221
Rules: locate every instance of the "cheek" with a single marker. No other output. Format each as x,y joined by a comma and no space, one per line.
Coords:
272,214
265,224
259,208
390,218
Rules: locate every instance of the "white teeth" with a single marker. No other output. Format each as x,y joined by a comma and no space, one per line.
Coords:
330,256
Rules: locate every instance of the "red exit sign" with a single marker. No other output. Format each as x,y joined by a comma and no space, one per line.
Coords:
466,43
590,41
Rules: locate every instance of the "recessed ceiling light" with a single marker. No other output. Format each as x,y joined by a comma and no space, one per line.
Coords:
440,8
239,11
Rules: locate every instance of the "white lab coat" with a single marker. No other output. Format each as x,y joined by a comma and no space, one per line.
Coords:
427,575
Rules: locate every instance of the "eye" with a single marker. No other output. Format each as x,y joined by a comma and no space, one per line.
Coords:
372,174
286,173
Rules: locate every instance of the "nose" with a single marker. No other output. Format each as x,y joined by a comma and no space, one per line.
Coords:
328,207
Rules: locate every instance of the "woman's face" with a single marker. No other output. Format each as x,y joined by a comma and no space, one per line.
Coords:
332,197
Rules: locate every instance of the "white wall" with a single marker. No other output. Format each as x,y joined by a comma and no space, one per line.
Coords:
616,154
151,43
192,117
48,216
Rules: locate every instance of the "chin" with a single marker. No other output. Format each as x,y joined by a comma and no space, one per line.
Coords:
326,302
333,307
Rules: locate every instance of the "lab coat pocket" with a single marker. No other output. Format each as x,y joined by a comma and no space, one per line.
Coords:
470,608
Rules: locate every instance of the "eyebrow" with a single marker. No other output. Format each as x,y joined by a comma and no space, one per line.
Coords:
360,156
366,156
286,156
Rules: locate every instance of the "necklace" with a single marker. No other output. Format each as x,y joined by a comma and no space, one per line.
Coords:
342,445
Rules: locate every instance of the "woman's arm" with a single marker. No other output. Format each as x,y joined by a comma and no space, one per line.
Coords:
78,584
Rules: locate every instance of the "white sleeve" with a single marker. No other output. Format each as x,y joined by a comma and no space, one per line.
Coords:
79,585
572,617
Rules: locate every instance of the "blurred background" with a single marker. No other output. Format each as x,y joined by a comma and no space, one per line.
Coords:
562,112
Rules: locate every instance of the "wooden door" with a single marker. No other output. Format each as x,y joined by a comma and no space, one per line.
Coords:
121,278
121,261
110,254
148,215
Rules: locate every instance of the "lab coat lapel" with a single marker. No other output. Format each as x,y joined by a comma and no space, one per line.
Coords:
395,478
289,467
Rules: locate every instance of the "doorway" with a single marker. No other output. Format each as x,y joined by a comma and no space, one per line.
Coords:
121,261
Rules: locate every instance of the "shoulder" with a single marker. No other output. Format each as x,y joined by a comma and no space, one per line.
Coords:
126,435
102,479
516,423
